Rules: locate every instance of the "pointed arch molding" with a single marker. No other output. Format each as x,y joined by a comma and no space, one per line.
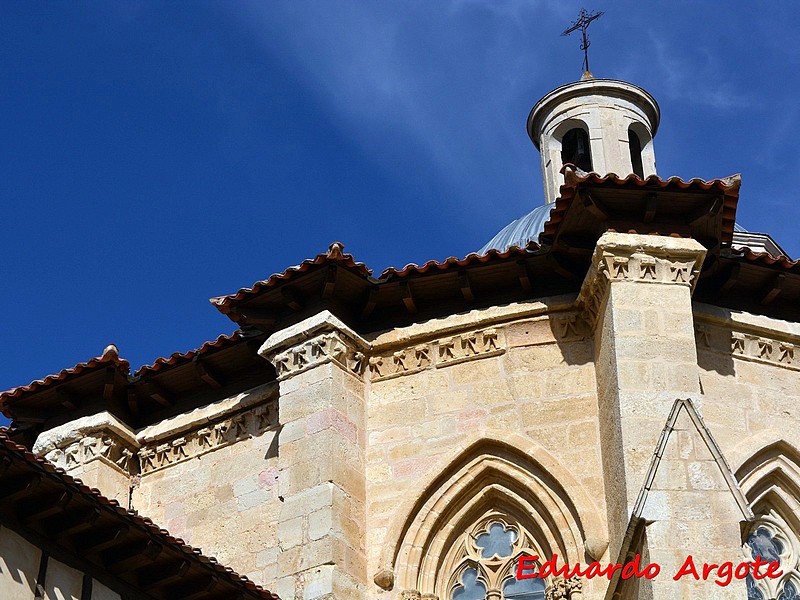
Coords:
515,476
771,476
770,480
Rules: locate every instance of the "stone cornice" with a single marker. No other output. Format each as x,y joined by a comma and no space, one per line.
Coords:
754,324
318,340
101,437
325,340
641,259
748,346
439,353
164,451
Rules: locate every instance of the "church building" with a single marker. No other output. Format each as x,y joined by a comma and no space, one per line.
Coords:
613,377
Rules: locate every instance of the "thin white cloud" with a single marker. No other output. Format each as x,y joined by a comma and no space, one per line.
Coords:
693,81
410,73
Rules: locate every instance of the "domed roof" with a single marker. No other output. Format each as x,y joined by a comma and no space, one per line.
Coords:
521,232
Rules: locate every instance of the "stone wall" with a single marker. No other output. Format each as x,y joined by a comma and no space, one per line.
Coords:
438,389
348,475
750,376
210,477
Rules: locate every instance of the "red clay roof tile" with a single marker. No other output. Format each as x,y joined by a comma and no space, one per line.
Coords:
133,518
110,357
176,358
452,262
728,186
334,256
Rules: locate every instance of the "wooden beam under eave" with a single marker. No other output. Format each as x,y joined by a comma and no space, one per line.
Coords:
594,206
329,286
15,488
195,590
204,374
258,317
43,508
575,244
408,297
522,275
132,556
730,279
650,206
109,382
73,523
777,287
66,399
466,287
560,268
292,299
98,541
133,402
150,577
26,415
157,392
708,210
370,303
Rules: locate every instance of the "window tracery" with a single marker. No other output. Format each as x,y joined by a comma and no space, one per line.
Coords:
483,561
773,540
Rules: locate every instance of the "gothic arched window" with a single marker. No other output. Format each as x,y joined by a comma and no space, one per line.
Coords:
575,149
484,559
635,146
773,540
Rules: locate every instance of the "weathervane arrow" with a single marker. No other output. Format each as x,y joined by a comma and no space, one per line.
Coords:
584,19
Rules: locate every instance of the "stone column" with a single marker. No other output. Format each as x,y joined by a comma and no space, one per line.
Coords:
321,459
638,297
99,450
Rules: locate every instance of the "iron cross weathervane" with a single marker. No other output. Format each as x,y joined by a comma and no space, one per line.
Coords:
584,19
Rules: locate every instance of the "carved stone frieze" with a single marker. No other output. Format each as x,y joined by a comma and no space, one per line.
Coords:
571,327
749,346
322,348
318,340
161,453
638,259
100,446
703,336
439,353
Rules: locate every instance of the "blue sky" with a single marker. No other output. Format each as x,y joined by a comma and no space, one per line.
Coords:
155,154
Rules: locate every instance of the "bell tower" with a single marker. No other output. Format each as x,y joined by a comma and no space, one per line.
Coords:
600,125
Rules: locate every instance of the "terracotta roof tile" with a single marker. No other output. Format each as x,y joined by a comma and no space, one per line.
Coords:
110,357
133,518
765,258
334,256
453,262
728,186
176,358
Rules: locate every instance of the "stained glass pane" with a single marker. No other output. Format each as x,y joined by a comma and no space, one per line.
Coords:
470,588
753,593
498,540
524,589
789,592
762,544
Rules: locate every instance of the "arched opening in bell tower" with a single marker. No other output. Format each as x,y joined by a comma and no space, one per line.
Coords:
635,147
575,149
